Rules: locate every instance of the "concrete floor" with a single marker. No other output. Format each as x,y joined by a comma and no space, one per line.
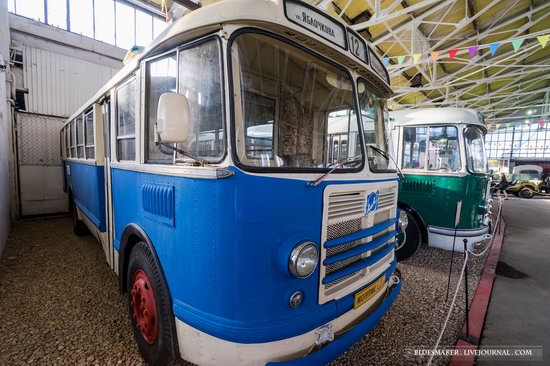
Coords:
520,303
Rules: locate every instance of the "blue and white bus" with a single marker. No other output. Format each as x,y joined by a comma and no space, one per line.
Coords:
207,170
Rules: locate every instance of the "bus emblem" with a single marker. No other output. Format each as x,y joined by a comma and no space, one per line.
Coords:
372,202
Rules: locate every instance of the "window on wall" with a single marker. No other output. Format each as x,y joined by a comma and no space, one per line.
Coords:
82,17
414,147
33,9
80,137
57,13
126,125
125,30
520,141
104,11
89,134
109,21
144,28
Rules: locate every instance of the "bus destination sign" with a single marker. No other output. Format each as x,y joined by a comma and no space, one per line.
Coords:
316,22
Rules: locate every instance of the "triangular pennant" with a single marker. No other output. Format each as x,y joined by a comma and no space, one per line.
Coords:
435,55
400,59
541,122
452,53
416,57
498,125
472,50
543,40
493,48
517,44
385,61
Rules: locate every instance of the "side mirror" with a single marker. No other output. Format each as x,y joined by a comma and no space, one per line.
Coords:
173,118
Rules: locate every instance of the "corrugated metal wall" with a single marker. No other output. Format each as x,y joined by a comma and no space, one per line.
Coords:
58,84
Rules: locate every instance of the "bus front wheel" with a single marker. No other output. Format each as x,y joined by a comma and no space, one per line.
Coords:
148,304
408,241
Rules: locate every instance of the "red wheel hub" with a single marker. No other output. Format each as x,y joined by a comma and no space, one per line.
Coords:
144,307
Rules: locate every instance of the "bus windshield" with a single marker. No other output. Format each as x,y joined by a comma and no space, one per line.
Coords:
374,116
475,150
297,111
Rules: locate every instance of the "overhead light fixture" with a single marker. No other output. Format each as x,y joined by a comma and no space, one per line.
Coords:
529,112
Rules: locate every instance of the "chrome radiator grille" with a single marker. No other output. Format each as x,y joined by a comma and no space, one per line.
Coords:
357,247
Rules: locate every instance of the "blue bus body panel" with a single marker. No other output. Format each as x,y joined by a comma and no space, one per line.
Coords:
224,246
87,183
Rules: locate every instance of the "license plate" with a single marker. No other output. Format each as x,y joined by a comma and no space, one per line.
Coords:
368,293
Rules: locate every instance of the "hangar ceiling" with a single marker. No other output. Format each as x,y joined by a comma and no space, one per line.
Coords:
501,86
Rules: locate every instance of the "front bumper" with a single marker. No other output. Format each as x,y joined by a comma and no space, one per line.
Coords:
348,339
204,349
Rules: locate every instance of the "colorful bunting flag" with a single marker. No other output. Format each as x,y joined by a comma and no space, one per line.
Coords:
516,43
452,53
541,122
472,50
493,48
498,125
543,40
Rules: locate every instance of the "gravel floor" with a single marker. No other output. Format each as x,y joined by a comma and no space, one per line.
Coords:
59,304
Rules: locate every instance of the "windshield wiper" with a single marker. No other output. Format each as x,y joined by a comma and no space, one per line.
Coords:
388,157
201,161
333,167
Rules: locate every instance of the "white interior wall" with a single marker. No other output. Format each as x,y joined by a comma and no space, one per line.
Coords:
61,71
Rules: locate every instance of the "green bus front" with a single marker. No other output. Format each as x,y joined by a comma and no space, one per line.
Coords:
445,188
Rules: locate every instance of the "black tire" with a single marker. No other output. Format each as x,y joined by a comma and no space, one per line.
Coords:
161,350
526,193
79,227
412,239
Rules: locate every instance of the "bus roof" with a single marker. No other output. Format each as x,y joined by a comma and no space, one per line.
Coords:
429,116
270,14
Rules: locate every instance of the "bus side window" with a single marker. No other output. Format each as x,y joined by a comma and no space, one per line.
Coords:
161,78
198,72
67,141
89,135
126,125
73,141
414,147
80,137
200,80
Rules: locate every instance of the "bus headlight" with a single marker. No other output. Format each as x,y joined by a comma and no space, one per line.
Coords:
303,259
403,221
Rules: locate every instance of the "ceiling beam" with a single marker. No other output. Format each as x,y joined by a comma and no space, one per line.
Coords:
386,15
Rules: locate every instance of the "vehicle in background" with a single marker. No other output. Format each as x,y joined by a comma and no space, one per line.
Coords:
526,181
225,172
445,191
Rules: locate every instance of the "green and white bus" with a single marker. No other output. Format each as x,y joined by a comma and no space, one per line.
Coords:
446,185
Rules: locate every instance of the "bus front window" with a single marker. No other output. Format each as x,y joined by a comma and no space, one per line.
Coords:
374,115
443,150
475,150
297,111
